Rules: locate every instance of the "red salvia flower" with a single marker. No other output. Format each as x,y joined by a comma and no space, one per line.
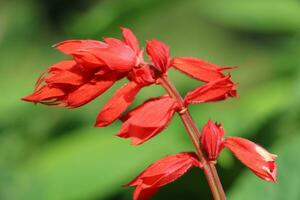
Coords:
212,139
70,84
162,172
148,119
114,53
117,104
216,90
199,69
159,55
256,158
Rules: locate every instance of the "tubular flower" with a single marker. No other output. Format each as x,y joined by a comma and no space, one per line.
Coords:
216,90
212,139
69,84
113,53
257,159
162,172
199,69
148,119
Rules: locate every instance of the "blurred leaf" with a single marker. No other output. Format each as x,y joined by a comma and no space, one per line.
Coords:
249,187
256,15
85,164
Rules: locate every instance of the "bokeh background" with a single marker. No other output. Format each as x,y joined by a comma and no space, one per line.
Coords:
49,153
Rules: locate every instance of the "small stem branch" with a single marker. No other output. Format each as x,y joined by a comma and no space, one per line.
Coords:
209,168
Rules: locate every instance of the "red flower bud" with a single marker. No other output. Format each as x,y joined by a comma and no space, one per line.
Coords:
257,159
159,55
148,119
162,172
212,139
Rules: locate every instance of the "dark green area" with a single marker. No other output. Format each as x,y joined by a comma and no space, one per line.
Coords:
56,154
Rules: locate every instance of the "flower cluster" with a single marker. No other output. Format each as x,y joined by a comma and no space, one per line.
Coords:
96,65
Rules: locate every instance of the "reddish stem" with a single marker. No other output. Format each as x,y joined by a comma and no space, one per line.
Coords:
209,168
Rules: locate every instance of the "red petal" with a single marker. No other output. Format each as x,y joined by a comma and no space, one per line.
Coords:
45,95
116,57
159,55
70,46
162,172
256,158
147,120
78,49
117,104
64,77
212,139
130,39
213,91
142,193
90,91
198,69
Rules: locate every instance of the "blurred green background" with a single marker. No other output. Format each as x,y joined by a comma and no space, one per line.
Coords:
49,153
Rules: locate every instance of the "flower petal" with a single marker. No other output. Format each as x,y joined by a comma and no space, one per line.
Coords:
142,193
117,104
217,90
147,120
257,159
79,50
159,55
162,172
130,39
45,95
116,56
198,69
90,91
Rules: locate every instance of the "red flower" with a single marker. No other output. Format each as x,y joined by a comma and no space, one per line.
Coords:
256,158
117,104
199,69
162,172
114,53
212,139
216,90
148,119
159,55
70,84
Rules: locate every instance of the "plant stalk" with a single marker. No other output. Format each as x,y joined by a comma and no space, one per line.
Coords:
209,168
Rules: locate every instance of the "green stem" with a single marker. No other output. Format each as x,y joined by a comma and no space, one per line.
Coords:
209,168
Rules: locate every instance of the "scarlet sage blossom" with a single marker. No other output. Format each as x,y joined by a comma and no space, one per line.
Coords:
199,69
256,158
216,90
162,172
148,119
69,84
